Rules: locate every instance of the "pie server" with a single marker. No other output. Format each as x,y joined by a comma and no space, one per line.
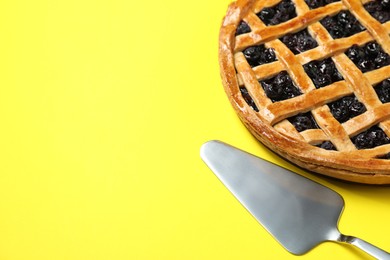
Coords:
298,212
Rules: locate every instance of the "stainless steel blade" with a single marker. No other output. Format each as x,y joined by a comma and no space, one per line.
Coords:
298,212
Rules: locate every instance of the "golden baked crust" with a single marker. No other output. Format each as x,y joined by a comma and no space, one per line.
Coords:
269,124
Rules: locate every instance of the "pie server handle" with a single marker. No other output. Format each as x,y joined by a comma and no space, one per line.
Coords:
365,246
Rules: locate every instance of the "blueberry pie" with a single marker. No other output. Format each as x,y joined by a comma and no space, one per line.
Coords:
311,80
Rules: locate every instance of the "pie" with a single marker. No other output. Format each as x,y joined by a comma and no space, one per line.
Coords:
310,79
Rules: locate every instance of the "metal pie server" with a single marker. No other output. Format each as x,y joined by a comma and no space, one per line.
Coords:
298,212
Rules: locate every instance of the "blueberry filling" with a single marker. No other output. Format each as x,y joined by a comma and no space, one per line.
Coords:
277,14
383,91
368,57
299,42
318,3
258,55
322,72
380,10
327,145
346,108
386,156
371,138
242,28
280,87
343,24
248,99
302,122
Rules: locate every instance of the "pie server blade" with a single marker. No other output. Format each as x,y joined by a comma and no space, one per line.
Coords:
298,212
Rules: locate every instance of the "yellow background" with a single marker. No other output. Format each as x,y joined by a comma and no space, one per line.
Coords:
104,105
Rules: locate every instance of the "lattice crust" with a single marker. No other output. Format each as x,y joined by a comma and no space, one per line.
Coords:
268,119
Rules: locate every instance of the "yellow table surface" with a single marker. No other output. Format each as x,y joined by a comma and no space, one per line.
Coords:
104,105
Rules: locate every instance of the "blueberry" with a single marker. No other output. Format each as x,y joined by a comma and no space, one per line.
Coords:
303,122
282,78
290,41
336,76
368,57
327,67
347,101
343,18
291,91
314,3
323,72
323,81
272,91
306,44
385,4
327,145
371,138
312,69
253,55
386,83
248,99
266,14
337,32
378,137
299,42
379,10
357,108
372,49
280,87
343,24
318,3
355,53
383,91
383,59
268,55
287,7
328,22
279,18
340,113
277,14
357,27
365,65
242,28
346,108
258,55
361,142
383,17
372,7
